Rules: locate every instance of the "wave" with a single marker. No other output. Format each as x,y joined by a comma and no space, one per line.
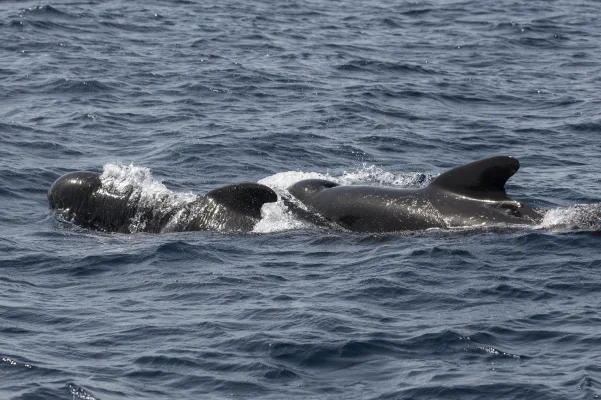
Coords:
73,86
80,393
47,10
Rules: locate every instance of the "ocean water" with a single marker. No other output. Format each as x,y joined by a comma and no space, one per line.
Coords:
180,97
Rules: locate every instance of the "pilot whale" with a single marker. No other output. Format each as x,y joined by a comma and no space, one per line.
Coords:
81,198
469,195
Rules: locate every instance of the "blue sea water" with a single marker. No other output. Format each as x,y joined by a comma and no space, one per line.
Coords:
185,96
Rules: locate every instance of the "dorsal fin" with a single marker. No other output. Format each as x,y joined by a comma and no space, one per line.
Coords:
246,198
484,179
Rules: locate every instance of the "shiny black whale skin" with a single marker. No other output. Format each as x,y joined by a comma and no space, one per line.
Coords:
469,195
79,197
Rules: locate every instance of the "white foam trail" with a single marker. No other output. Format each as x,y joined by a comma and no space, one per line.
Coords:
578,217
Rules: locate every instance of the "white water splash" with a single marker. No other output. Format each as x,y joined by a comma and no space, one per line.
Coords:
369,174
282,180
153,194
275,216
121,178
578,217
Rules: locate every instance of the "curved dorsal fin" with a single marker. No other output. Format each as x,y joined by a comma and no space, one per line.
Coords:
246,198
484,179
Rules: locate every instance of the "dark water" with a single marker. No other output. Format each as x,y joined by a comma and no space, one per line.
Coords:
201,94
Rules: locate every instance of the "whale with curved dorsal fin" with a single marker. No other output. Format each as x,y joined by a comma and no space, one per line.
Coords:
80,197
469,195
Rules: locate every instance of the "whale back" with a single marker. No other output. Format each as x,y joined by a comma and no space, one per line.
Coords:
472,194
482,180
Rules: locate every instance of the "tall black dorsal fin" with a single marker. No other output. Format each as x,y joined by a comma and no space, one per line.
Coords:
484,179
246,198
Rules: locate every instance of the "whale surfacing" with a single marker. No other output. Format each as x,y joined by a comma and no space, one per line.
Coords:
469,195
81,198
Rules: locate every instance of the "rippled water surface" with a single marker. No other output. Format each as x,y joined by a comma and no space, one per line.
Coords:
186,96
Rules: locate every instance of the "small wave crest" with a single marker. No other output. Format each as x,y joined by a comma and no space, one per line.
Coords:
77,86
45,10
11,362
79,393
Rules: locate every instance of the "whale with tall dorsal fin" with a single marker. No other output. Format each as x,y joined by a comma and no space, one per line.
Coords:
469,195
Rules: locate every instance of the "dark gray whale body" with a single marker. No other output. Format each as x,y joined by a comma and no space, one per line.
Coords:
80,197
469,195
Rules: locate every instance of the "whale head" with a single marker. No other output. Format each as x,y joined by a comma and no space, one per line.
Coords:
71,190
307,189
